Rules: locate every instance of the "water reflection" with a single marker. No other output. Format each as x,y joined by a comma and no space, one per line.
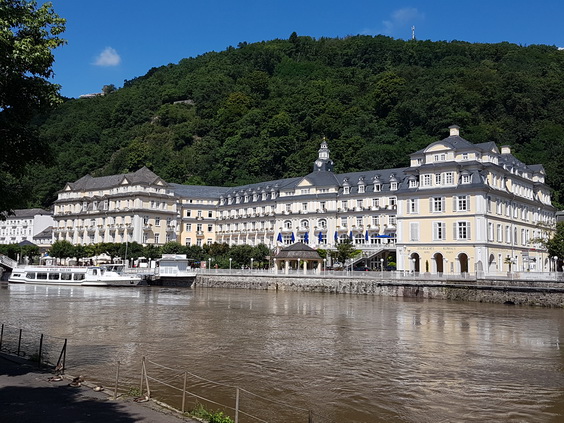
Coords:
350,358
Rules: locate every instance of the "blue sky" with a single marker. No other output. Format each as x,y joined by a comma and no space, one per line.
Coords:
110,41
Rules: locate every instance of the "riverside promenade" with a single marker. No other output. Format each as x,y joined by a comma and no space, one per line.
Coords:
27,395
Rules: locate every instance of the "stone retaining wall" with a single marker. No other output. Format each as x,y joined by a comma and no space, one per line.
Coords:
546,294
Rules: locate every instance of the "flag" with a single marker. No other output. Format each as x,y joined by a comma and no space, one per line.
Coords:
366,237
320,237
351,236
306,238
336,236
293,239
279,239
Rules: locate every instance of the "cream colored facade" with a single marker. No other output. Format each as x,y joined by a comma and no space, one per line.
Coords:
471,208
459,207
137,207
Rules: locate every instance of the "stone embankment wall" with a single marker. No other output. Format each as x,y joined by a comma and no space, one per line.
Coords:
541,293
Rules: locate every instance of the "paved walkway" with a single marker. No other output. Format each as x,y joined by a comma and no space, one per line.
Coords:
27,395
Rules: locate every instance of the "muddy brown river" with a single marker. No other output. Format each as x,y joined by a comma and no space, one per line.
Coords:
344,358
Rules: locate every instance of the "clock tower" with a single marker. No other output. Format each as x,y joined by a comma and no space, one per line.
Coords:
323,162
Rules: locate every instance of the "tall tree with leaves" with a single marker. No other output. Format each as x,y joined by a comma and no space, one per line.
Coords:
28,34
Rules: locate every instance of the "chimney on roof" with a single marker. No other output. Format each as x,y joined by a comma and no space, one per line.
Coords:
505,149
454,130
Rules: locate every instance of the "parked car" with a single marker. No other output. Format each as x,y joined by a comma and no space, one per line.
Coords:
390,268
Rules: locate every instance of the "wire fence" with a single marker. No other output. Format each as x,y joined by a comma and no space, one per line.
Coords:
178,388
46,351
186,391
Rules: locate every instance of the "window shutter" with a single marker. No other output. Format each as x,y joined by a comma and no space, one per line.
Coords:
431,205
468,230
468,202
454,231
443,204
454,203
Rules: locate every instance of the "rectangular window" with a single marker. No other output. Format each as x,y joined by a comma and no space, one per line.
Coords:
359,204
361,189
304,206
461,203
288,207
427,180
412,206
210,228
499,233
438,231
199,227
343,221
392,201
462,230
199,213
358,221
438,179
157,221
414,231
375,202
210,213
188,226
157,237
490,232
188,213
377,187
437,204
376,220
449,178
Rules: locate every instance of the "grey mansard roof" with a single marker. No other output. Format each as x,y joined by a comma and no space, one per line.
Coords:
141,177
22,213
198,191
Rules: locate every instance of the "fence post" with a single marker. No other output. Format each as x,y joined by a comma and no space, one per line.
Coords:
19,343
63,356
184,393
1,336
117,378
237,405
142,375
40,350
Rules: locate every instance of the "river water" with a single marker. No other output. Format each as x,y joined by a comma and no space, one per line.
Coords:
347,358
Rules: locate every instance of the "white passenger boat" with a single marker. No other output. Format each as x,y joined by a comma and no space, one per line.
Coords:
104,275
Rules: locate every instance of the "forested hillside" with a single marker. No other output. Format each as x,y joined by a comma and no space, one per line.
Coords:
259,111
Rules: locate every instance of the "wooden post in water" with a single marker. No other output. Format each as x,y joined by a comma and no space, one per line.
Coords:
184,394
237,406
1,336
117,378
310,419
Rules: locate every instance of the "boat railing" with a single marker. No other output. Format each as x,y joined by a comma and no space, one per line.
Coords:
7,261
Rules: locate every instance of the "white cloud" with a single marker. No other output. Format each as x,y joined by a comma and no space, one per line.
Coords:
400,21
108,57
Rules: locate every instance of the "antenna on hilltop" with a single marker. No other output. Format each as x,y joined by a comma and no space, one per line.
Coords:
413,32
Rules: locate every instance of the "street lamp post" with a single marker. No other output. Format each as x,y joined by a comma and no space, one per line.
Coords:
382,267
230,260
209,265
252,259
555,263
325,266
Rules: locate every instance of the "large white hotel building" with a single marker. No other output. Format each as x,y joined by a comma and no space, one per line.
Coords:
459,207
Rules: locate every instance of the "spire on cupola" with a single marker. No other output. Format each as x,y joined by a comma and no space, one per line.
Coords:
323,161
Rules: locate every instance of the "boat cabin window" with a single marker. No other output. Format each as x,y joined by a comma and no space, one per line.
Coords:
30,275
66,276
78,276
54,276
42,276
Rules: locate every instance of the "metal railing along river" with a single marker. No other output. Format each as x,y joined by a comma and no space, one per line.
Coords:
179,389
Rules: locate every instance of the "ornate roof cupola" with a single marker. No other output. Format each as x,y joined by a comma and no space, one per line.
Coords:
323,161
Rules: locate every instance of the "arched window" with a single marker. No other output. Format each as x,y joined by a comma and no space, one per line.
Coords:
322,223
304,224
287,224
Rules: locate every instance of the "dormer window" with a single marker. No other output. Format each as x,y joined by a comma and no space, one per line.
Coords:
465,178
377,187
393,186
413,183
361,189
346,190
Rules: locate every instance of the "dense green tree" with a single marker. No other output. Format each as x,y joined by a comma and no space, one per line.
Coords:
345,251
62,249
28,34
